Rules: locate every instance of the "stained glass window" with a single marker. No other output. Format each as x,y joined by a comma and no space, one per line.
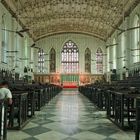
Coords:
52,60
70,58
41,60
99,61
88,60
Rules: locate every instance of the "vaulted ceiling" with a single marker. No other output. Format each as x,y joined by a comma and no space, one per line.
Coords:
99,18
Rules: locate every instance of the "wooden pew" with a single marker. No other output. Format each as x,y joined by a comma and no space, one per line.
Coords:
121,108
31,103
28,98
3,120
137,128
31,96
38,99
18,110
95,94
118,101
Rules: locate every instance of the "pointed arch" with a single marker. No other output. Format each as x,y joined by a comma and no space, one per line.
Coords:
99,61
52,60
70,58
88,60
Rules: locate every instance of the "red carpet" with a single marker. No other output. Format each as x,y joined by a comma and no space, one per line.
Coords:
70,86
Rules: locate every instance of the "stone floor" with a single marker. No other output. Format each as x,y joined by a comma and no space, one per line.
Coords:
70,116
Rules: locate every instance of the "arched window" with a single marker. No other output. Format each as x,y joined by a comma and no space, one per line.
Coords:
52,60
70,58
88,60
136,52
99,61
41,61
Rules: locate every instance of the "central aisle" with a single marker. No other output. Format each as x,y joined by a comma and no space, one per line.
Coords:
70,116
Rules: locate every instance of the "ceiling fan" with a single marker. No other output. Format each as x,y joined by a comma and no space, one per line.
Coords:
110,62
128,29
110,45
34,46
10,51
47,60
31,62
121,57
10,56
135,49
24,58
17,32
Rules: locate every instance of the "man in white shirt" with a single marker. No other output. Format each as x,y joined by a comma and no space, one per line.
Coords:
5,93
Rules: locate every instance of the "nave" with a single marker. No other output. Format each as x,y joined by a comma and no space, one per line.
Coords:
70,116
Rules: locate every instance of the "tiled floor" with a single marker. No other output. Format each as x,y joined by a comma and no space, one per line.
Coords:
70,116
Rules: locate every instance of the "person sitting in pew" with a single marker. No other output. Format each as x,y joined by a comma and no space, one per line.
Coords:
5,93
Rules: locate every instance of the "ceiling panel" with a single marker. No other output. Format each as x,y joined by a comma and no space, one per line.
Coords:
99,18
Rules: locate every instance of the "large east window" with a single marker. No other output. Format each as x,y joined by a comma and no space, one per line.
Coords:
70,58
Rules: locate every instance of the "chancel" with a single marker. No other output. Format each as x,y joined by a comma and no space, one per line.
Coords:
72,68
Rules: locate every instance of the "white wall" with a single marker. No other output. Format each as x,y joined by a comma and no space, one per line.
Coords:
14,42
82,42
128,44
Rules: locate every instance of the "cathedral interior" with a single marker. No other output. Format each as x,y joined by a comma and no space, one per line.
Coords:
73,68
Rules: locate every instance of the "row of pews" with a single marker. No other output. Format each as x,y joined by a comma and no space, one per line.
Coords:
8,75
120,100
27,99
